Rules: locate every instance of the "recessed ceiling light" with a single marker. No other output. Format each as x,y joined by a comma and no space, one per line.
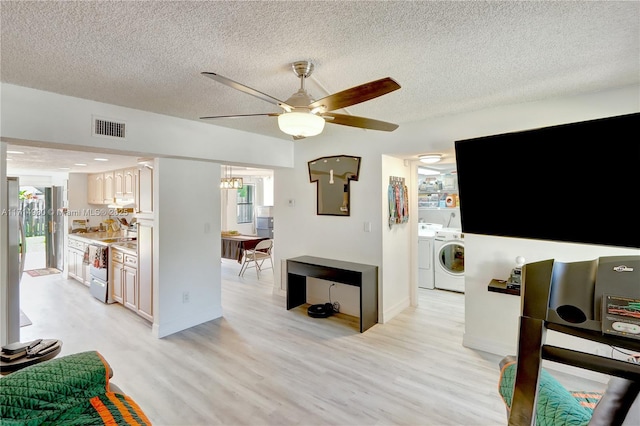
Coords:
15,152
64,168
101,159
80,164
430,158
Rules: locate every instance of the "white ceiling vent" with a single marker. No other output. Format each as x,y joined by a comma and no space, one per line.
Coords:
109,128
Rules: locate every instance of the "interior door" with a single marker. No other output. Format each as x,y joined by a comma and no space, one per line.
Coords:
55,227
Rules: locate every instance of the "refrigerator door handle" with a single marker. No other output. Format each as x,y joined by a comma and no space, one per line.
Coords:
23,246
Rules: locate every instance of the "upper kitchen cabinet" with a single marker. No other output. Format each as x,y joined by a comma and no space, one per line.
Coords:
101,189
125,184
144,191
131,185
109,187
95,188
134,185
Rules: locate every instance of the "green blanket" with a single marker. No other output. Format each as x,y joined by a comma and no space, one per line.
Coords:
71,390
556,405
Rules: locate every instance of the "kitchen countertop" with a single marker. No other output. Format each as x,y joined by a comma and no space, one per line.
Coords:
130,247
105,238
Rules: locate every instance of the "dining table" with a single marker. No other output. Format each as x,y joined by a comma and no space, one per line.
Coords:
233,246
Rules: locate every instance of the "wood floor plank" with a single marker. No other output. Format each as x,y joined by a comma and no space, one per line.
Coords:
263,365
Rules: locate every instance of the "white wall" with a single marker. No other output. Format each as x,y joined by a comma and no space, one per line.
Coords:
35,117
443,216
300,231
65,122
395,294
491,318
29,114
187,244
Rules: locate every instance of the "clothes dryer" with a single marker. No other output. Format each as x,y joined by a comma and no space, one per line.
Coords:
449,260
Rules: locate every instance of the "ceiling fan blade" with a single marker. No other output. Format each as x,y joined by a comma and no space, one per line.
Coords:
272,114
357,94
364,123
247,89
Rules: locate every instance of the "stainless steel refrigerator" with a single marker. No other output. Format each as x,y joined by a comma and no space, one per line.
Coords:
16,251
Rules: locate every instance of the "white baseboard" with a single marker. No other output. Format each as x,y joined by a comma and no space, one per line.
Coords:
490,346
191,320
388,314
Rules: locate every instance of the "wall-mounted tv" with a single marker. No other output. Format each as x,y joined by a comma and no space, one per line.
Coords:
577,182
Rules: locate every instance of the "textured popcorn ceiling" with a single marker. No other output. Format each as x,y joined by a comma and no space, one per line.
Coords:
449,57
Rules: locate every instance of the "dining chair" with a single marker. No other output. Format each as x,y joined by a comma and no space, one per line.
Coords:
257,256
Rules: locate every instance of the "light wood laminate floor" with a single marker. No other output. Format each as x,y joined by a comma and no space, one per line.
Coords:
263,365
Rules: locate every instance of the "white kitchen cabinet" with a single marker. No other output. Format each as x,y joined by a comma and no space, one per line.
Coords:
109,194
72,264
144,191
124,278
117,267
95,187
124,183
130,288
129,183
76,268
118,183
145,269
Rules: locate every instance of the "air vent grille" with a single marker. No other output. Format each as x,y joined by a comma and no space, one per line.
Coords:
112,129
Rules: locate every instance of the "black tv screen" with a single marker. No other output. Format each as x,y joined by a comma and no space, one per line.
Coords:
577,182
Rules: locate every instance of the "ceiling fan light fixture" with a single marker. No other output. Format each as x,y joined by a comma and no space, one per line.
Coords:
430,158
301,123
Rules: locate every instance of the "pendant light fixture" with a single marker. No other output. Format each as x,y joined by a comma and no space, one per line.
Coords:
229,182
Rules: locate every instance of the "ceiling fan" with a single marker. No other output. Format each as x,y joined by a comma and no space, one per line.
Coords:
303,116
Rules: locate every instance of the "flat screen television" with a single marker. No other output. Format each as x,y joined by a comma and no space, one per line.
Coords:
577,182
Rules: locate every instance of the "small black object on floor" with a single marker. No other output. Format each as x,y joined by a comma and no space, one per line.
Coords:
322,310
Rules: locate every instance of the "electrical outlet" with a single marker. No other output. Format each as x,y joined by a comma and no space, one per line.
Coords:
185,297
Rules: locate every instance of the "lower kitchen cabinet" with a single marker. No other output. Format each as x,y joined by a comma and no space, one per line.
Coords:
145,269
124,280
116,273
76,268
130,287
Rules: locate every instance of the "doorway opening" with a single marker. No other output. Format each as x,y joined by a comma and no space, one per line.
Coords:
42,223
32,206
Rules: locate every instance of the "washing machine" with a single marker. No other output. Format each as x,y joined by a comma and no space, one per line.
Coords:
426,238
449,260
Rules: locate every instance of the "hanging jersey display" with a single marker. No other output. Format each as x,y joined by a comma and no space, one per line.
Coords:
398,195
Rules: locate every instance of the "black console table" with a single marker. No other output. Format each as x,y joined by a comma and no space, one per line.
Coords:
363,276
